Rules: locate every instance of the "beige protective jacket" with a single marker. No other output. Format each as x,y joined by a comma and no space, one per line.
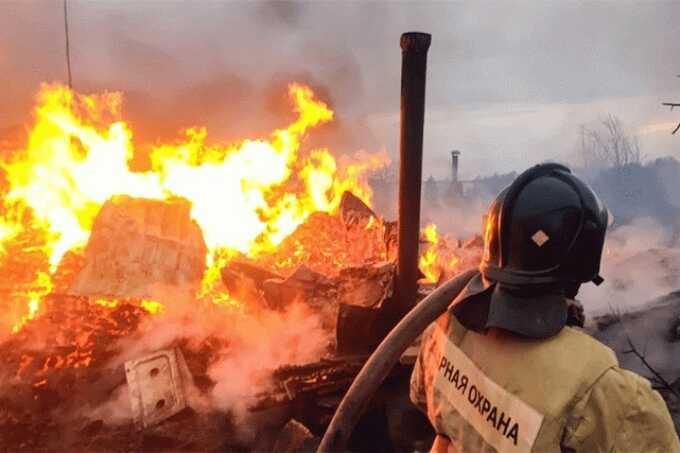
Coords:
500,392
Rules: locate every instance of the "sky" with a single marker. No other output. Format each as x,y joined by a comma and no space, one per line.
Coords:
509,83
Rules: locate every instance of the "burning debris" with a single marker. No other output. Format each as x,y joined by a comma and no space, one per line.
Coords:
137,246
156,385
123,263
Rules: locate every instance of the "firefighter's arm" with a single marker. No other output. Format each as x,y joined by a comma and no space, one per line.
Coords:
621,413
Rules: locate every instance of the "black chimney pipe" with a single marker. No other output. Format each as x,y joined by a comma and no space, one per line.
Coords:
454,166
414,46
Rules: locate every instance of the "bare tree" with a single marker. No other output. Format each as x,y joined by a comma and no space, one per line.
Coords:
671,105
609,145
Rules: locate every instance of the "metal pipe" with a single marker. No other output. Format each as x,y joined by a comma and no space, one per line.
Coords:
68,46
454,166
383,360
414,47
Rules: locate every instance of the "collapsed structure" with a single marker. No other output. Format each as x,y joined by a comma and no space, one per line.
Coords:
260,264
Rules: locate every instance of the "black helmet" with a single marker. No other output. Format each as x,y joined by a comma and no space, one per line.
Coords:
544,234
547,227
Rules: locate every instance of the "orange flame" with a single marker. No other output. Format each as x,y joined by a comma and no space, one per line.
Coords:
437,256
43,286
152,306
246,197
7,232
108,303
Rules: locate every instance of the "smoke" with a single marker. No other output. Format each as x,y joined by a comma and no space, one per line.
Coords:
641,262
482,91
116,410
230,77
233,350
641,259
459,220
260,345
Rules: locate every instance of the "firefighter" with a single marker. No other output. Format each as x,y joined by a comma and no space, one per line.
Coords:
502,371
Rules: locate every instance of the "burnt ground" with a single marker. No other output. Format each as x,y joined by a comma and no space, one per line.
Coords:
390,424
59,367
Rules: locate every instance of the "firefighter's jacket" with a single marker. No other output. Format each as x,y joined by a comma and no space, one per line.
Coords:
500,392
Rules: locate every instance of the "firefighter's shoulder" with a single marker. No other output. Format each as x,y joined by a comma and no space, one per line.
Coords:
621,412
566,364
548,374
577,349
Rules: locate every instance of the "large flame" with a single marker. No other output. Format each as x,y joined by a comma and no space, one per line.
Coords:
246,197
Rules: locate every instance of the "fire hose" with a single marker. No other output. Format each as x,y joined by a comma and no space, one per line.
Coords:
383,359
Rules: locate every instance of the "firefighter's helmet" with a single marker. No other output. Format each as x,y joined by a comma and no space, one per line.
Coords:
548,226
544,234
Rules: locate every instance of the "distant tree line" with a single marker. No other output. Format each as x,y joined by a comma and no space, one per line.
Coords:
612,163
629,186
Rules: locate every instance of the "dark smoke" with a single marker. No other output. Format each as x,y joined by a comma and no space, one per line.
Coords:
504,90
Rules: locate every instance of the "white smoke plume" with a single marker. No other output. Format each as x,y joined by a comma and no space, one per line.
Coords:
640,263
260,344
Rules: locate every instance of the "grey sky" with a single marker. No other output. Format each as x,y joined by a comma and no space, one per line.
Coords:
508,83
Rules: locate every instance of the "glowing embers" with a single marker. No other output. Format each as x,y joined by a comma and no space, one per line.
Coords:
74,334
